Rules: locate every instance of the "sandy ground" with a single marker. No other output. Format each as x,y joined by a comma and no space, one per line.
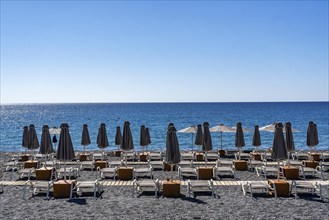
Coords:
118,202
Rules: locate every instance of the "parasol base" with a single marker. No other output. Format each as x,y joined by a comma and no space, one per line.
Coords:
171,188
205,173
62,188
310,163
314,156
221,153
199,157
241,165
143,157
282,187
125,173
167,167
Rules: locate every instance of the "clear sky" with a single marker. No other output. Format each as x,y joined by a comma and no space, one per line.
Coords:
163,51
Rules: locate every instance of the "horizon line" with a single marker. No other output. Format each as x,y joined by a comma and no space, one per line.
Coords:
159,102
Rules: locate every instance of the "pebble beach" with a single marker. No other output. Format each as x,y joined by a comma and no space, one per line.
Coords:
118,202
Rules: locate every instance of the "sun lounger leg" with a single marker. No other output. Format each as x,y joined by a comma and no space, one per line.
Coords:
24,191
48,189
95,191
295,187
71,192
275,193
134,186
243,189
319,186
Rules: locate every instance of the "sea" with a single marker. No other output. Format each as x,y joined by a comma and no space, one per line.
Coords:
157,116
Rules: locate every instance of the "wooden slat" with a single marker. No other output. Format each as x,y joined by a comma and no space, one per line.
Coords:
183,183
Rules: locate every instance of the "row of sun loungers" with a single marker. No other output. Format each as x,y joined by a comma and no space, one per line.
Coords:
252,187
185,155
187,169
159,156
193,187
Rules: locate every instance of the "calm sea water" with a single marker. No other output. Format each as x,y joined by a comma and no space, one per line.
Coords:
156,117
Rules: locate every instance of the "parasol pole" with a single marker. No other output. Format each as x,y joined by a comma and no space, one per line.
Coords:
192,143
221,140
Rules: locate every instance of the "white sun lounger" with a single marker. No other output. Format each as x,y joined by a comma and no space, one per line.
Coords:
140,186
107,172
80,186
256,186
38,187
306,186
26,172
194,186
186,169
223,169
143,171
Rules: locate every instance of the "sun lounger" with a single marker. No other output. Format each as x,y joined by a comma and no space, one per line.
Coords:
116,163
87,165
38,187
72,169
309,171
80,186
306,186
26,172
143,171
68,172
157,164
300,155
107,172
243,156
50,164
187,172
140,186
98,156
324,156
186,169
267,170
257,186
212,155
293,163
187,156
40,157
231,153
186,163
220,169
225,162
266,156
128,156
194,186
252,164
12,165
155,156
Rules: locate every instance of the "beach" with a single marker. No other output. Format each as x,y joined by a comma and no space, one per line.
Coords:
164,110
118,202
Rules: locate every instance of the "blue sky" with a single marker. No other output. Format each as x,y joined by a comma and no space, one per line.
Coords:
164,51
